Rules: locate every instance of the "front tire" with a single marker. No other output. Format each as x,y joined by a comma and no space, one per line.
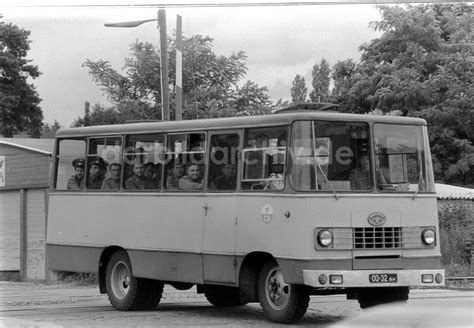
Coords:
281,302
369,297
127,293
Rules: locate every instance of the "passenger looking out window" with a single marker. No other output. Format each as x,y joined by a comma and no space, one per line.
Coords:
113,182
137,180
227,180
97,169
76,182
192,180
177,172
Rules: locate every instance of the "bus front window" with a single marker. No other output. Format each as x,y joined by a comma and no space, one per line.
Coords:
331,156
402,158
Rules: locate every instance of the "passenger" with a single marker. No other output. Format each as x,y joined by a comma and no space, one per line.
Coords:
227,181
137,181
361,177
173,177
113,183
97,169
193,180
151,180
76,182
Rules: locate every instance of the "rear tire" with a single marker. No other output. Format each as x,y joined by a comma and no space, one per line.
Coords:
369,297
222,296
127,293
281,302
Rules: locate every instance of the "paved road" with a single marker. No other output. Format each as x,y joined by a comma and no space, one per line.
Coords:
30,304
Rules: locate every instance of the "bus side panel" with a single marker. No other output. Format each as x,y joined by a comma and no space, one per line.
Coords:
73,258
167,266
150,226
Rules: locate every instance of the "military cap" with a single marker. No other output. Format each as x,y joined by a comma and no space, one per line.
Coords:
78,162
98,161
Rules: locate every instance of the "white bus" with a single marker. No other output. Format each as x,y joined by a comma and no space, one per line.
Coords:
268,209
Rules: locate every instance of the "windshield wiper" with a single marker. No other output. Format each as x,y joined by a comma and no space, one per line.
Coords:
325,177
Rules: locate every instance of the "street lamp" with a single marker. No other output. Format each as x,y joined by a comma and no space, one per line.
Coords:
161,18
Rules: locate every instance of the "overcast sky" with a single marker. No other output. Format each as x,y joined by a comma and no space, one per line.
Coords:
280,41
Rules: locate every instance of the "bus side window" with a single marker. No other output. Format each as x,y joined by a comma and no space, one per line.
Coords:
264,159
223,162
185,168
70,163
143,160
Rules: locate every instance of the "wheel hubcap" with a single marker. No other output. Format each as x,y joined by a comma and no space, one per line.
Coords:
121,280
277,291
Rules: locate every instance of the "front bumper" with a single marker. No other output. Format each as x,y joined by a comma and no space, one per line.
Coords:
361,278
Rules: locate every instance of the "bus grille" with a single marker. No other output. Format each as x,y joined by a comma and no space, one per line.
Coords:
381,237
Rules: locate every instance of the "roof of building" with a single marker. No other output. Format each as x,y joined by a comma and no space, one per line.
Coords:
445,191
43,146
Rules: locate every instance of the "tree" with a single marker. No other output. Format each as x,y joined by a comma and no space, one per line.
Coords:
19,110
49,130
422,65
210,82
298,90
320,82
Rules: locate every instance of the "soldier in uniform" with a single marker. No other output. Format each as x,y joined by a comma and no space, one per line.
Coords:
76,182
113,183
137,181
97,168
227,181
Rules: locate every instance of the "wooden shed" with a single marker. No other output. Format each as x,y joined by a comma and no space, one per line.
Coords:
25,166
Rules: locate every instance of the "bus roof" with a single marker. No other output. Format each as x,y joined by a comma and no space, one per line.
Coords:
230,123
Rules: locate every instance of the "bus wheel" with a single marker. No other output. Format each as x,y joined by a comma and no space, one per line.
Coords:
126,292
222,296
281,302
369,297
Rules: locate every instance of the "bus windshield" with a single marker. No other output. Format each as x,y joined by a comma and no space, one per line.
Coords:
402,158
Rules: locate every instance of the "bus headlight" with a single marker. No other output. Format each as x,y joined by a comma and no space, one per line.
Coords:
325,238
428,237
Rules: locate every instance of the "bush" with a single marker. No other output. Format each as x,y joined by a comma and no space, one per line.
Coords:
455,219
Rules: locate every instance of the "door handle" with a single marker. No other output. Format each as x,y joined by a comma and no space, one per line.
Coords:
205,207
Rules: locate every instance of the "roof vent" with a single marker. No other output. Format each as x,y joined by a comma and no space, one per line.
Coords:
309,106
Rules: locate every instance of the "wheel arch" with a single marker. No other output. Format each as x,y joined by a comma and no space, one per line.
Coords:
104,260
248,274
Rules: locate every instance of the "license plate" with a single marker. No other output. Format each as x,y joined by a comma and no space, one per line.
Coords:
380,278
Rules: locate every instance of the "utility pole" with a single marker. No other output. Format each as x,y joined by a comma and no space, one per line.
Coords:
179,70
165,105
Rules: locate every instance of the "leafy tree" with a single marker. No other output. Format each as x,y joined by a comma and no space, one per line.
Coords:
210,83
19,110
49,130
422,65
298,90
321,81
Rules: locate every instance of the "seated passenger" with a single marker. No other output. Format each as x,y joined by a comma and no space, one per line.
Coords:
361,178
151,179
97,171
173,177
193,180
226,181
137,181
76,182
113,182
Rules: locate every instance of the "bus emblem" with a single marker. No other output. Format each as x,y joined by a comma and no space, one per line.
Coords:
377,219
267,213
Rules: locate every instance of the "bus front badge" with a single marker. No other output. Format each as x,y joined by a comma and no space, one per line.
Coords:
267,213
377,219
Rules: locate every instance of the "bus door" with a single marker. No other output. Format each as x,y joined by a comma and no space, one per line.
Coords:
220,208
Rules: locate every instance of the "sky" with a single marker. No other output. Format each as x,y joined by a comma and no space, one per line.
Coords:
280,42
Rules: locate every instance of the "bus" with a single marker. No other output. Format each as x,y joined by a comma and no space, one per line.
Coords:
269,209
